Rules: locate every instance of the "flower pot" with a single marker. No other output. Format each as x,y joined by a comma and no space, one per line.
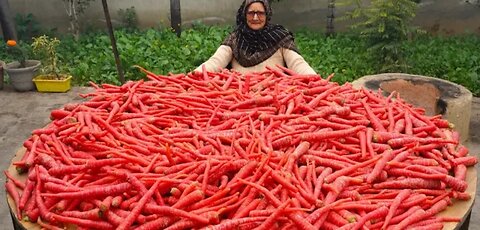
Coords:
46,85
21,78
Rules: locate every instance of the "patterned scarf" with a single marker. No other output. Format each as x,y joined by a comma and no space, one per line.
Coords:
251,47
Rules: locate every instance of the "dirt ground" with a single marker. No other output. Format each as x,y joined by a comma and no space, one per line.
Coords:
474,146
475,121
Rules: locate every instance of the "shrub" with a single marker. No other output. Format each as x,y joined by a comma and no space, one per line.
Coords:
162,52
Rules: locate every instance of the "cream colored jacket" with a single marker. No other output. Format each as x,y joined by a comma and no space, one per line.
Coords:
283,57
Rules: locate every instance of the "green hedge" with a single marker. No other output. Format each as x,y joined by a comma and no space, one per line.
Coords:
456,59
160,51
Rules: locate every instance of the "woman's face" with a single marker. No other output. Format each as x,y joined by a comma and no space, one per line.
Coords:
256,16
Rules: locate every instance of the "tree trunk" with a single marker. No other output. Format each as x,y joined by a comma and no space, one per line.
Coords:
118,62
176,18
6,21
330,18
76,25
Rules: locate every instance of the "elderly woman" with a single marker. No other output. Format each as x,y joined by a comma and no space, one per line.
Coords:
255,44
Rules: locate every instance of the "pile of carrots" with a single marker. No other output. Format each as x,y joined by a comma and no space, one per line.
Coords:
270,150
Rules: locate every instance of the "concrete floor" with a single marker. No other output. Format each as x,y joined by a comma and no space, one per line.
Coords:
20,113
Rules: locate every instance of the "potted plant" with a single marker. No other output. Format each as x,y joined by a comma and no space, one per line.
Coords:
50,79
21,71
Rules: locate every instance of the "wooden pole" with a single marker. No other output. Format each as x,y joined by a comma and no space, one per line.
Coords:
176,16
6,21
113,41
330,17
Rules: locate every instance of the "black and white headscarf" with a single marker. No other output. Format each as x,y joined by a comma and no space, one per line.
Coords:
251,47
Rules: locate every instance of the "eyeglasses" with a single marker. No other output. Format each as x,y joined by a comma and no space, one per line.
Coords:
259,14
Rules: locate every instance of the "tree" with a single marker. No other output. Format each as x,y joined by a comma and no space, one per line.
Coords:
385,24
74,9
6,21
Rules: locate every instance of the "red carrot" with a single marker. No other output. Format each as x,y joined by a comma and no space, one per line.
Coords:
294,216
15,181
138,208
232,224
335,218
363,143
379,213
316,215
402,195
92,192
408,123
413,200
58,114
317,136
64,169
467,161
283,181
301,149
369,144
432,226
345,171
460,172
27,193
82,222
92,214
399,217
13,192
245,210
408,173
415,217
379,166
461,151
254,101
313,103
376,124
269,222
409,183
455,183
191,198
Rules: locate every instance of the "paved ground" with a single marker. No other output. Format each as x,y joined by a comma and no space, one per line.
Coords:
20,113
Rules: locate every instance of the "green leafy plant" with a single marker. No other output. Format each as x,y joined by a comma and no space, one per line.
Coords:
385,24
159,50
128,17
45,48
453,58
27,26
16,52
